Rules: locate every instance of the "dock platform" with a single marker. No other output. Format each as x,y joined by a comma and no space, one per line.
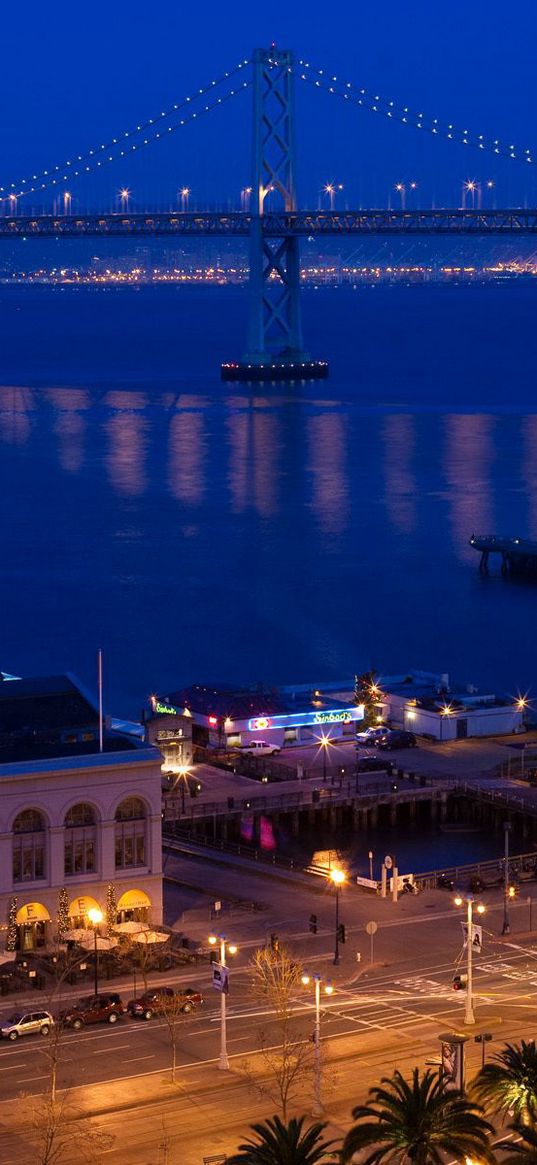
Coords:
518,555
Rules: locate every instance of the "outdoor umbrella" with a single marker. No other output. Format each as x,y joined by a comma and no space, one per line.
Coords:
103,944
7,957
151,936
130,927
74,936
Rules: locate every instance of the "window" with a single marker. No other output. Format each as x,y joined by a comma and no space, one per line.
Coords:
29,840
130,834
80,841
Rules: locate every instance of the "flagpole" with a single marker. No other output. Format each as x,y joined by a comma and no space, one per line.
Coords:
100,685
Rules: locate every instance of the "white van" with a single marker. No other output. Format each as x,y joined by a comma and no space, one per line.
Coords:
260,748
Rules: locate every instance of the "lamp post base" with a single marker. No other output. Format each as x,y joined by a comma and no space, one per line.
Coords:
223,1062
469,1017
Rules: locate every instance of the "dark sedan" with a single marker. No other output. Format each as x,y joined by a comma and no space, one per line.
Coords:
396,738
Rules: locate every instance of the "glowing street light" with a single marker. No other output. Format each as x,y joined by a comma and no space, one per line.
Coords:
182,780
245,197
12,203
231,949
401,189
184,195
317,1109
338,878
95,916
469,1016
124,196
324,743
66,202
331,189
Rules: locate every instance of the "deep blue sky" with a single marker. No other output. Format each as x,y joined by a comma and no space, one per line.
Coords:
74,76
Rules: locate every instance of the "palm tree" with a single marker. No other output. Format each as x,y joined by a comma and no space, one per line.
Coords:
523,1151
508,1083
417,1121
283,1144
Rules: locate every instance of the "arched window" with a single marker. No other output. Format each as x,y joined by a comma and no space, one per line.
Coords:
130,834
29,846
80,840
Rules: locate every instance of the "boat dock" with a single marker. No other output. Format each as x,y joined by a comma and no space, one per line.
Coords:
518,555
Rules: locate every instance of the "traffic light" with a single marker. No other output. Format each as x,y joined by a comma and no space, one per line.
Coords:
313,923
341,932
513,891
274,942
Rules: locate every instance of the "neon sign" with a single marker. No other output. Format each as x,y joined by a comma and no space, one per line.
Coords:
303,719
164,709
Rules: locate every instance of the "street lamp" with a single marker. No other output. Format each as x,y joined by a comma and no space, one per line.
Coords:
124,196
317,1109
331,189
231,949
182,778
401,189
95,916
337,877
469,1016
185,195
66,202
12,203
325,745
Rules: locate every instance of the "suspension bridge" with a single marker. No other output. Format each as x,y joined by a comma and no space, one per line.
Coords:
275,348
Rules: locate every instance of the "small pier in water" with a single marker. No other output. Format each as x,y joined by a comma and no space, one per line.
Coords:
518,555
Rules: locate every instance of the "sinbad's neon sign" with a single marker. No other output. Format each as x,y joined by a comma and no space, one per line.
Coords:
297,720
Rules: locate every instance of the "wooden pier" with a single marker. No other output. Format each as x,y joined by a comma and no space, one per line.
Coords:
518,555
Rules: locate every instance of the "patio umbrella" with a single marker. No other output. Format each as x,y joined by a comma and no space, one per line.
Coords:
7,957
103,944
75,935
130,927
151,936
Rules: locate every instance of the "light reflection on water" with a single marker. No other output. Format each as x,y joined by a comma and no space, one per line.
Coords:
196,531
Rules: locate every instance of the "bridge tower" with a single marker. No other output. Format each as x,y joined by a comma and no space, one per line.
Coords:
275,348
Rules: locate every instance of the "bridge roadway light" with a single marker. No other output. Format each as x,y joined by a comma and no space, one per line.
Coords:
469,1016
124,196
66,202
231,948
328,989
401,189
185,195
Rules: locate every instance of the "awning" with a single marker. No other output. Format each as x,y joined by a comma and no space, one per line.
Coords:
134,900
80,906
32,912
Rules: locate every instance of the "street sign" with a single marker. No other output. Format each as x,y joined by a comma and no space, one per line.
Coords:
217,907
220,978
388,861
371,927
477,937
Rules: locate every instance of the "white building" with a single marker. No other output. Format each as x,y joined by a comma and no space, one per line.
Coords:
74,819
424,703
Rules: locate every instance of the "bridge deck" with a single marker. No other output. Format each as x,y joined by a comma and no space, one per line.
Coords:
500,544
160,224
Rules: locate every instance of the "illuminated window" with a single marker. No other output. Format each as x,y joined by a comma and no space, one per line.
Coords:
29,843
80,842
131,834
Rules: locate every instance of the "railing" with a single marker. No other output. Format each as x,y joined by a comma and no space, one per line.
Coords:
363,794
236,849
490,872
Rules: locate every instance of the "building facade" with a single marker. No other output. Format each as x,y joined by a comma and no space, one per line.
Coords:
84,826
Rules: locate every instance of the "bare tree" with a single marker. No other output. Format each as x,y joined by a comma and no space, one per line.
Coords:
172,1009
58,1135
286,1052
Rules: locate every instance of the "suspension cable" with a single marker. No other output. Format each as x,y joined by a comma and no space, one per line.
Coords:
320,79
75,167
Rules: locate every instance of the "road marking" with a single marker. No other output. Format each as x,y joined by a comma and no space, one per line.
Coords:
137,1058
106,1051
10,1067
28,1078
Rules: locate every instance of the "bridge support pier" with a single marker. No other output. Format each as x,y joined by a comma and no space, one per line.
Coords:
275,349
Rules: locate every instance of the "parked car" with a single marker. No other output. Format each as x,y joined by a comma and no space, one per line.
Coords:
443,882
94,1009
374,764
260,748
371,735
26,1023
397,738
154,1002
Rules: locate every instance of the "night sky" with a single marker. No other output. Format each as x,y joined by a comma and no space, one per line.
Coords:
74,76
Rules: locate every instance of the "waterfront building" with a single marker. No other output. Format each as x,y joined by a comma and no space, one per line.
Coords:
226,717
75,822
426,704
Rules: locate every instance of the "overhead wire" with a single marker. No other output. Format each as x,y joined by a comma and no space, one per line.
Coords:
98,156
350,92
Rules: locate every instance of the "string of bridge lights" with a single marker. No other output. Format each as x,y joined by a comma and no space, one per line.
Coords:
321,79
93,159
